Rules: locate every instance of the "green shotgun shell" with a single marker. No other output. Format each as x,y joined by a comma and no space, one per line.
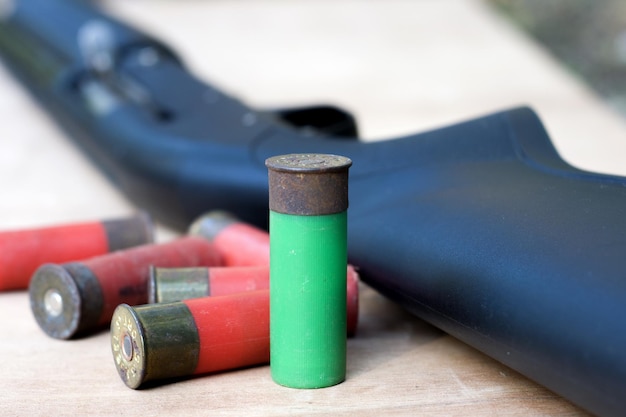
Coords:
308,199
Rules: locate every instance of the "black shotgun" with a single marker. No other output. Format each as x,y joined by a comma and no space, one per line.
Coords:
479,228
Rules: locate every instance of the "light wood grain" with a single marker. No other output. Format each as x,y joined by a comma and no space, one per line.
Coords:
401,67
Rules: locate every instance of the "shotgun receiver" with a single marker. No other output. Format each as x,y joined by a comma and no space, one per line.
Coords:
479,228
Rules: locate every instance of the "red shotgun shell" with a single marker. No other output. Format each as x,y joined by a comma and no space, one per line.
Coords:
166,285
77,297
239,243
191,337
23,251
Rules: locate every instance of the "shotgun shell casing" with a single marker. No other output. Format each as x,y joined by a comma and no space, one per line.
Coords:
23,251
167,285
191,337
76,297
239,243
308,198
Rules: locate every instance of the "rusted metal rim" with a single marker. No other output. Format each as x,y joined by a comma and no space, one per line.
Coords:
308,184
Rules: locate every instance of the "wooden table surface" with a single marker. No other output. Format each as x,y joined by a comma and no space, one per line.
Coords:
400,67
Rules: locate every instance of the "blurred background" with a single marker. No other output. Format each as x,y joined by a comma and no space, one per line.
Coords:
587,36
